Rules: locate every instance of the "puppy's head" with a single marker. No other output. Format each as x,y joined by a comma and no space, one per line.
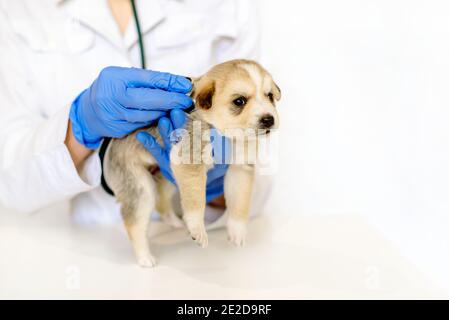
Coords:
238,94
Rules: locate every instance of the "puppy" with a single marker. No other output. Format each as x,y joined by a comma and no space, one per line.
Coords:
234,97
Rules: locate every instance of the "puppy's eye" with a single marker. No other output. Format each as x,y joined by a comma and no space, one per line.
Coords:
270,96
239,102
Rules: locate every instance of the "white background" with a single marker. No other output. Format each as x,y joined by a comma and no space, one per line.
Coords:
364,132
365,116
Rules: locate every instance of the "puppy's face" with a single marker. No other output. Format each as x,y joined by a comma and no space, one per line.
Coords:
238,94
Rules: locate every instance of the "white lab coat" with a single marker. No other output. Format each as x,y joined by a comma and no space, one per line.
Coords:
51,50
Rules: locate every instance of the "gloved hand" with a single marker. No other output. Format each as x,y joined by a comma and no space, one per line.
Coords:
215,176
122,100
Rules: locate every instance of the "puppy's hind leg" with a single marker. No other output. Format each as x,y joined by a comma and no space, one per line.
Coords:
138,200
164,206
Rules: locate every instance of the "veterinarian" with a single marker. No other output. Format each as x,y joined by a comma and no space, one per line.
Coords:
59,100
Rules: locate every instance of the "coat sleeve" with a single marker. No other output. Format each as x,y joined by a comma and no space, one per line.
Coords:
246,43
35,166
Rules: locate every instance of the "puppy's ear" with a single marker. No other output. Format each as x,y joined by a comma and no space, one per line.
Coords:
194,82
205,95
276,91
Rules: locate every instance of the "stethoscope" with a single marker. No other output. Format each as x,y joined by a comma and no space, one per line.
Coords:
106,141
139,34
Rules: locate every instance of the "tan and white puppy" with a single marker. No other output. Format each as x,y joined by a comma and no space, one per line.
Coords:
238,99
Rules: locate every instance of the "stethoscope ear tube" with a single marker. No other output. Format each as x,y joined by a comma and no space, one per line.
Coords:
139,34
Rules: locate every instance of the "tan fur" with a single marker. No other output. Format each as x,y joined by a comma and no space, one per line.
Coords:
127,163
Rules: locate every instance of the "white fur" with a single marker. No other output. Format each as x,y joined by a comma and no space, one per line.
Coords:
237,231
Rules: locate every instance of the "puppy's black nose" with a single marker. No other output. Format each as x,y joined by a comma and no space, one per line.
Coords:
266,121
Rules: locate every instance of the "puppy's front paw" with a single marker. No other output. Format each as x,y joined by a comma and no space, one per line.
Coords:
146,261
198,233
236,232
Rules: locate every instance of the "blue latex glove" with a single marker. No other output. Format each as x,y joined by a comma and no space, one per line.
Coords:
215,176
122,100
